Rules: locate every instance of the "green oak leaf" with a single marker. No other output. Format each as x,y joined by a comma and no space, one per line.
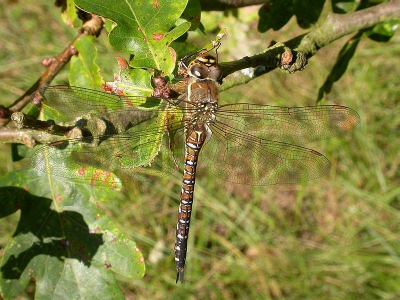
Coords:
343,6
69,14
383,32
63,241
134,82
144,28
83,69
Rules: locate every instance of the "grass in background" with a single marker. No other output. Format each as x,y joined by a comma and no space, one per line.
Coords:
331,238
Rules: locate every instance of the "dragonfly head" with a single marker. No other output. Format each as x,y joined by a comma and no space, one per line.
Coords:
205,67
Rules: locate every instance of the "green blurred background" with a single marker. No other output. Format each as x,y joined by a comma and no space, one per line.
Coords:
333,238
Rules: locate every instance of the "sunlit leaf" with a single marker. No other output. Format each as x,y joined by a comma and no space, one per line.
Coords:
59,162
383,32
63,242
135,82
344,6
143,29
83,70
69,13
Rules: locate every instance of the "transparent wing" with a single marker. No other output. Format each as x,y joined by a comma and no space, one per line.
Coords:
297,125
64,103
241,158
90,164
122,155
125,154
250,143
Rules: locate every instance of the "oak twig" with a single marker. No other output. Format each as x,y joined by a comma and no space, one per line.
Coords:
22,120
275,56
306,45
54,65
28,137
338,25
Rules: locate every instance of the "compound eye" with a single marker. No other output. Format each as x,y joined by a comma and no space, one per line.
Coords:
200,72
215,73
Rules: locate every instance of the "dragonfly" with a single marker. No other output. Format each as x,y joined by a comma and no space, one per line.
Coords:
241,143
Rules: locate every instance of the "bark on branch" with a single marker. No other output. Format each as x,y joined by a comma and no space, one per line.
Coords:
335,27
28,137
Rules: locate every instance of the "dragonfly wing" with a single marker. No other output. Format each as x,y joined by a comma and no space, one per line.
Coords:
294,125
64,103
126,154
241,158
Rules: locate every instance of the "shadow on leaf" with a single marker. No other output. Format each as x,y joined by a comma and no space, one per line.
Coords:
43,232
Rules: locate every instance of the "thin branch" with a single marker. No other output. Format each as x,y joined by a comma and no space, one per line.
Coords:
337,25
22,121
28,137
222,5
276,56
306,45
54,65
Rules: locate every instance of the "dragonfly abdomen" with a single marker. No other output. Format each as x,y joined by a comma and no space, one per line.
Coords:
193,143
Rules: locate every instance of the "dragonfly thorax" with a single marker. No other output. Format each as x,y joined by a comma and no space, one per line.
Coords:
205,113
203,100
